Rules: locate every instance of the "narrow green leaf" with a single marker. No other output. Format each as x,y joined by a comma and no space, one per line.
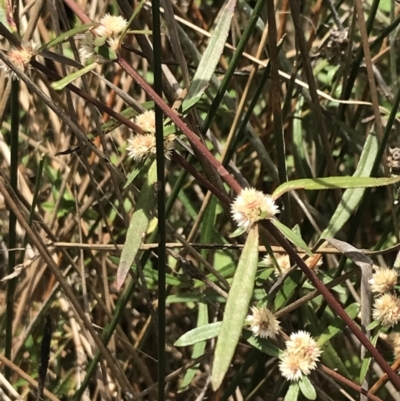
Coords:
331,359
287,290
66,35
307,388
62,83
134,173
293,392
318,184
210,58
137,228
198,334
262,344
367,358
291,236
352,197
198,349
236,308
372,325
338,325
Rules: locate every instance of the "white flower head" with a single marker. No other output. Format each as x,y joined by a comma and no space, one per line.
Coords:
251,206
113,43
394,340
283,262
387,310
111,26
263,323
147,121
383,280
20,58
141,146
300,357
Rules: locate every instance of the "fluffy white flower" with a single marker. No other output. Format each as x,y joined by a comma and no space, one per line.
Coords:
263,323
251,206
111,26
387,310
383,280
20,58
300,357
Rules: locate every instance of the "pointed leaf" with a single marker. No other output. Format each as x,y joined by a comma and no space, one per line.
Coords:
198,349
62,83
352,197
138,226
318,184
198,334
291,236
338,325
236,308
210,58
262,344
66,35
307,388
367,358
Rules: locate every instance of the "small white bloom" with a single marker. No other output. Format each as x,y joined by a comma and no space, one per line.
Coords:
147,121
20,58
141,146
387,310
111,26
283,262
251,206
263,322
113,43
300,357
383,280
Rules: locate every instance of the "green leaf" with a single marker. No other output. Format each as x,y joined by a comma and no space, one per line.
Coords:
331,359
66,35
62,83
138,226
134,173
352,197
198,334
238,232
198,349
293,392
338,325
236,308
307,388
106,52
367,358
318,184
262,344
210,59
291,236
372,325
287,290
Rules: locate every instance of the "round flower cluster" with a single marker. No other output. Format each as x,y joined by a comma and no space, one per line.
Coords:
387,306
263,323
110,29
20,58
300,356
143,145
251,206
